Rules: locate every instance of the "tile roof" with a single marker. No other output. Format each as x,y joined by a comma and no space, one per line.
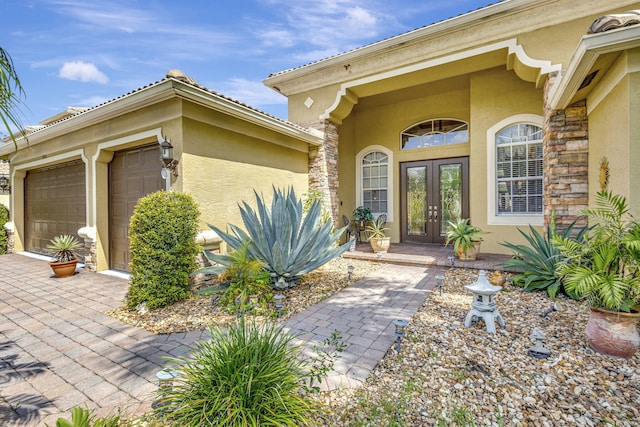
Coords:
380,41
171,75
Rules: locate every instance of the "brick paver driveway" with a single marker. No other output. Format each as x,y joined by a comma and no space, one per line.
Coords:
59,350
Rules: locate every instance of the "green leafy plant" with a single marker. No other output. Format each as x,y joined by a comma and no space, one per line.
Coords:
246,277
322,362
462,234
376,230
250,375
604,267
539,261
11,96
4,218
288,243
62,247
163,249
81,417
362,213
309,199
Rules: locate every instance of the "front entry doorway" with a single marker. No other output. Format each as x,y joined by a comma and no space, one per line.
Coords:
433,192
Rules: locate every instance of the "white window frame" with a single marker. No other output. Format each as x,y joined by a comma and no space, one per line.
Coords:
492,216
391,173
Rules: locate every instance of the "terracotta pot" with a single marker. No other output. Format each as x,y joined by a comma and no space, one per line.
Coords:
613,333
64,269
470,254
380,244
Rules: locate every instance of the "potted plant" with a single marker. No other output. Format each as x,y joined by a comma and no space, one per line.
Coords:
465,237
62,250
378,236
603,268
362,215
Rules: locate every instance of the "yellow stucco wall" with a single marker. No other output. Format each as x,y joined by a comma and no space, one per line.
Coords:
614,131
220,168
483,99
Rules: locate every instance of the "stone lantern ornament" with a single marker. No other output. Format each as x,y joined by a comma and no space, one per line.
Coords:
483,306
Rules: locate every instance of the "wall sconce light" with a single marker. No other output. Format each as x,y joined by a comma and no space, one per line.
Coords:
400,330
279,303
4,183
166,155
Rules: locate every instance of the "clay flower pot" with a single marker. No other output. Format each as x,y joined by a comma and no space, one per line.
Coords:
64,269
613,333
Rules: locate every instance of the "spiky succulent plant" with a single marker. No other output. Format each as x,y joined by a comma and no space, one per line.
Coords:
288,243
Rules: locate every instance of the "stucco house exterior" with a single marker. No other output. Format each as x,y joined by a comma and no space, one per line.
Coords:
83,171
504,115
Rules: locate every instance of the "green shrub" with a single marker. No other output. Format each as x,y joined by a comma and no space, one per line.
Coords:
539,261
249,375
289,243
4,218
163,249
245,275
81,417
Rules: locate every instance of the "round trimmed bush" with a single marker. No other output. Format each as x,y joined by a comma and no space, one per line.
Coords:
162,235
4,218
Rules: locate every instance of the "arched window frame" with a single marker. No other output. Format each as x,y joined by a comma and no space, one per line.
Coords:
391,173
432,121
493,218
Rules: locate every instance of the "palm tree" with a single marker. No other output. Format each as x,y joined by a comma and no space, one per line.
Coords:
11,92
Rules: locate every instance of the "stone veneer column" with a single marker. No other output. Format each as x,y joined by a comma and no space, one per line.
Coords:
566,162
323,168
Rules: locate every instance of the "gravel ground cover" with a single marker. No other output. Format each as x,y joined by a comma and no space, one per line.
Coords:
450,375
447,374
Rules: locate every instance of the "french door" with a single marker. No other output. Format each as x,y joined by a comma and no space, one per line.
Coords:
433,192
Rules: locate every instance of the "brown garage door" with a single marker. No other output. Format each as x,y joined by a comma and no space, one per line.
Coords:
132,174
54,204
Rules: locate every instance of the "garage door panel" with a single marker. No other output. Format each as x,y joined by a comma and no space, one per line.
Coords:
132,174
54,204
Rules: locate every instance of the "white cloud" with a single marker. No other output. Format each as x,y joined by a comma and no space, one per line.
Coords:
83,71
250,92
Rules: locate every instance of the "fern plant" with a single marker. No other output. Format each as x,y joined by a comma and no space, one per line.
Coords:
604,268
539,261
289,243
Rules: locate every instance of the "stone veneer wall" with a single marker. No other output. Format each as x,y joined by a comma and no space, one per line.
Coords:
566,162
323,168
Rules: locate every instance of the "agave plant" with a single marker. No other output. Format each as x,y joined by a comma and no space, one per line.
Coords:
289,243
538,262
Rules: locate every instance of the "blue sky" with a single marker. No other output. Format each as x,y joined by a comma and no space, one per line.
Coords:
83,52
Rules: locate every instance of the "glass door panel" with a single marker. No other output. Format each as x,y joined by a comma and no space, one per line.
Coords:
433,192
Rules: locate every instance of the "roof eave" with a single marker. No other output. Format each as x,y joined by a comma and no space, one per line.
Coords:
441,27
590,48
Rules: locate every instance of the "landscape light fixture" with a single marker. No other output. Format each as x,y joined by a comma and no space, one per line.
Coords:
166,155
440,282
400,330
4,183
538,350
350,271
452,261
165,384
279,302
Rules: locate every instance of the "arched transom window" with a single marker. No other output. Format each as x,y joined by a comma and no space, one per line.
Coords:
433,133
519,170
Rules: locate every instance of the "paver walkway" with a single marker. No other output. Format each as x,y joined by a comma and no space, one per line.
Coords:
58,350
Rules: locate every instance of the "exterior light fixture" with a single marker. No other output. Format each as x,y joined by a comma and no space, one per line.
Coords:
400,325
452,261
165,384
166,155
440,282
557,306
4,183
350,271
279,303
379,256
538,350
